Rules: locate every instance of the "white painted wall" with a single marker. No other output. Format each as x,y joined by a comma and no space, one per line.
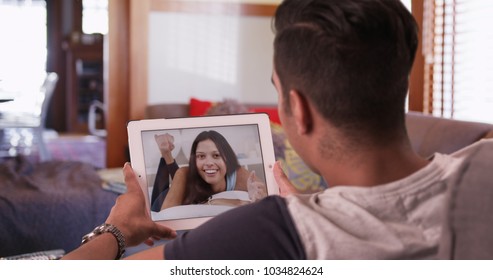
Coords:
210,57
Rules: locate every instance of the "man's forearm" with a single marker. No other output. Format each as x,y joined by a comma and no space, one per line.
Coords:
102,247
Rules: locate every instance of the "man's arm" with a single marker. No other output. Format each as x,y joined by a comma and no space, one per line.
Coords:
130,216
155,253
102,247
260,230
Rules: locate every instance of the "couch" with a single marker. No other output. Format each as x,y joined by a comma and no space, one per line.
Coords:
51,205
428,134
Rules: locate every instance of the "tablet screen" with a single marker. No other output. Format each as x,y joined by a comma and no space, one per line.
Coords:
190,174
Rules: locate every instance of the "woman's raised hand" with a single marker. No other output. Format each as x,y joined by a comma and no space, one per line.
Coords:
165,143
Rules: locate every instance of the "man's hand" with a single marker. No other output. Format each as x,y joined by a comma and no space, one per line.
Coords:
256,189
285,186
129,214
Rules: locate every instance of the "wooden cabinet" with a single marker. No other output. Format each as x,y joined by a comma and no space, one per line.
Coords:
84,83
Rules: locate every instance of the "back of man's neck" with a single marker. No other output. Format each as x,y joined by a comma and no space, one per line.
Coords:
372,167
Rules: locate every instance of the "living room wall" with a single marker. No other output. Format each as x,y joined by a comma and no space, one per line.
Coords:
211,57
127,60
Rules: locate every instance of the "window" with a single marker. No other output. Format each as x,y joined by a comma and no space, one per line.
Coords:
23,45
95,16
407,3
457,46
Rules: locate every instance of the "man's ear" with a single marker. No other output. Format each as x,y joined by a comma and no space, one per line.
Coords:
301,112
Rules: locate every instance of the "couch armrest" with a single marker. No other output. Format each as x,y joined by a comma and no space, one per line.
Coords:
431,134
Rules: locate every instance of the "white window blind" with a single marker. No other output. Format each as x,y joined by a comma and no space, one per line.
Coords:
458,50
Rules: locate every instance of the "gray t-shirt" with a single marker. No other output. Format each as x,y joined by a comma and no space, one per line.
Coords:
399,220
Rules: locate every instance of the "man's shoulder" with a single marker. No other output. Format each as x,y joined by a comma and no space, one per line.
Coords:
482,148
477,157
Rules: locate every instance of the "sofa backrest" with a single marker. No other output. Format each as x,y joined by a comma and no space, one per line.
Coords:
428,134
431,134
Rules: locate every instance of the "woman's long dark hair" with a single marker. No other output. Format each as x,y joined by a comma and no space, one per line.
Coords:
197,190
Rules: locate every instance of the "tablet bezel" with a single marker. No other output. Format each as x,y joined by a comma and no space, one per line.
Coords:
136,149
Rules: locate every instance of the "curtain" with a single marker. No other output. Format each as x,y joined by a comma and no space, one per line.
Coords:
457,46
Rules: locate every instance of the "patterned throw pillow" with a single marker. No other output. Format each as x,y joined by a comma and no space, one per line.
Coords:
305,180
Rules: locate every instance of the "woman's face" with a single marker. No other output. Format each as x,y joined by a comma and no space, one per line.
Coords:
210,164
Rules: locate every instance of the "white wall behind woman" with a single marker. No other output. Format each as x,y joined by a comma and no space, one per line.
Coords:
210,57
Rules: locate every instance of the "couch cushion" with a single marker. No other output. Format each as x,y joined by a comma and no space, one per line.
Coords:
300,175
199,107
431,134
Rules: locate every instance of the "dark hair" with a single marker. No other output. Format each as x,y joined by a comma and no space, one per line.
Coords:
198,190
350,58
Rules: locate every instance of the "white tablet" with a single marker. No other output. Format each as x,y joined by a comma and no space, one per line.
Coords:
192,169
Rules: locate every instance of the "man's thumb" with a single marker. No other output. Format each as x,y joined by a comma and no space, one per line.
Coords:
285,186
279,174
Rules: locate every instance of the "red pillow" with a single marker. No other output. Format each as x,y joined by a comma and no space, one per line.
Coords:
199,107
272,112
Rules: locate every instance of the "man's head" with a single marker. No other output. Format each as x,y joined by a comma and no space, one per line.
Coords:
350,59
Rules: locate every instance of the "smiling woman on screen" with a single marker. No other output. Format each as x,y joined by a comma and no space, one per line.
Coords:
213,168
